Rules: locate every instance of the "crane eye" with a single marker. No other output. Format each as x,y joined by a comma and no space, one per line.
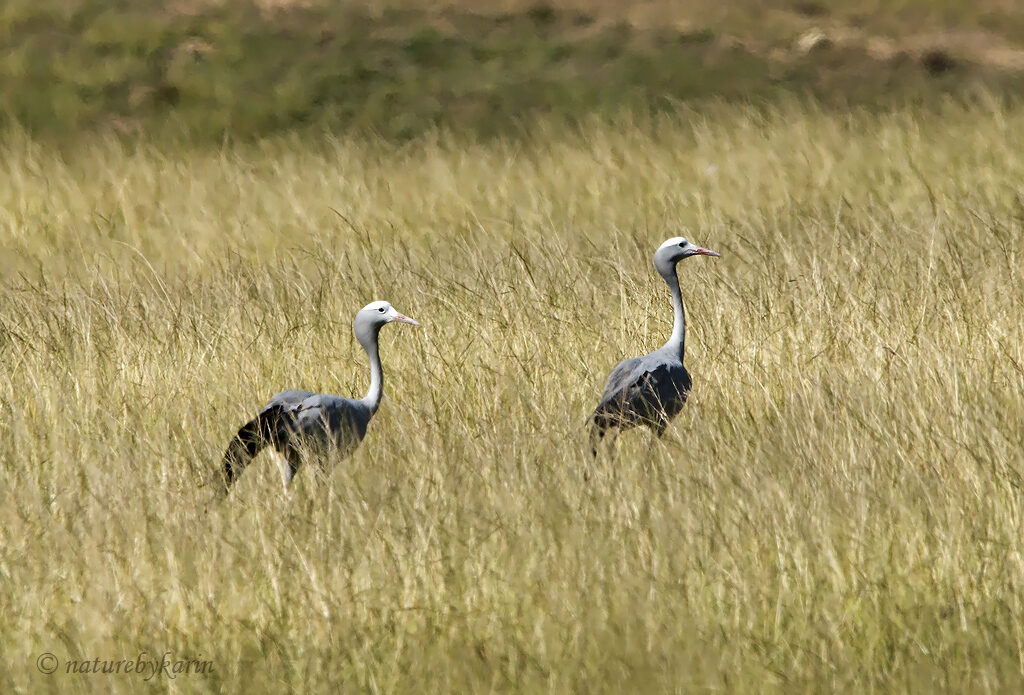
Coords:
381,310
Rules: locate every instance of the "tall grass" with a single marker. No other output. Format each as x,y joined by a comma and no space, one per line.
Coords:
837,508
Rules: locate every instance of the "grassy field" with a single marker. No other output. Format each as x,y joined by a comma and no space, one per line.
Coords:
838,507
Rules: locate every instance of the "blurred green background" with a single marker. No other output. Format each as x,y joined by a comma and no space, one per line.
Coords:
203,70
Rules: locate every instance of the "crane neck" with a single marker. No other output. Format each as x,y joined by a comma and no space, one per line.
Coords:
376,390
677,341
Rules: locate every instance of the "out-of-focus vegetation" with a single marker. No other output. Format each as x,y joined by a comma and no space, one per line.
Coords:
204,69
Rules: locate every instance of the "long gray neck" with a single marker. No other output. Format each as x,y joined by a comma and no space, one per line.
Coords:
677,342
376,390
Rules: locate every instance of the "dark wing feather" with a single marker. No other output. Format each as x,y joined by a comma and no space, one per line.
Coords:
671,385
640,391
268,428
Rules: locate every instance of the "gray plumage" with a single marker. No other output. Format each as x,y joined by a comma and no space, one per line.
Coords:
650,390
301,424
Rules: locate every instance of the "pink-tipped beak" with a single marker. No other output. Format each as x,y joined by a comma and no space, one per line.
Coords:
405,319
706,252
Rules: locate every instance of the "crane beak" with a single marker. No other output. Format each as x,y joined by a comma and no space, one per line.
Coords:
698,251
402,318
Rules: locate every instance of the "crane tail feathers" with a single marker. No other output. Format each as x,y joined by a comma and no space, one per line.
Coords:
251,438
598,425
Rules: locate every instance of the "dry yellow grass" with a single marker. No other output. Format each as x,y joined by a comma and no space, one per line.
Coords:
838,507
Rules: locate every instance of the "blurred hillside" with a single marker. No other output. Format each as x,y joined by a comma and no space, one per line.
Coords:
204,69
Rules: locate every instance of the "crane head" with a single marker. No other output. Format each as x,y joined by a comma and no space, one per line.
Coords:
675,250
371,317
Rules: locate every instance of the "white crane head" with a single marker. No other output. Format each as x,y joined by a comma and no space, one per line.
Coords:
674,250
371,317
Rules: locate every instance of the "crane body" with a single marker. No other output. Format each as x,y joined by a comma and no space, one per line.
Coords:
651,389
301,424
